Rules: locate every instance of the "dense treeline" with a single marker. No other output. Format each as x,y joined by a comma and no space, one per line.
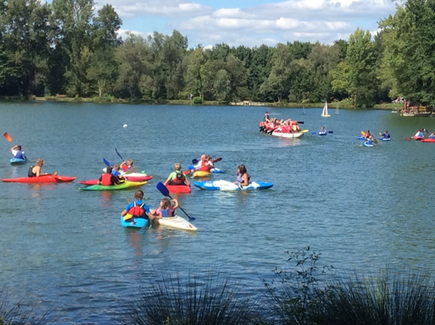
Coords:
67,48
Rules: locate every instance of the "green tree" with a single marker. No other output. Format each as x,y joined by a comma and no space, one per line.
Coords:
278,83
103,68
195,60
356,75
26,42
133,59
72,20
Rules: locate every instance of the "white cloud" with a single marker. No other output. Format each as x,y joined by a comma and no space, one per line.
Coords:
286,21
164,8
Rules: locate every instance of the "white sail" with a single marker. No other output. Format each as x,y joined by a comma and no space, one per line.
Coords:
325,110
337,111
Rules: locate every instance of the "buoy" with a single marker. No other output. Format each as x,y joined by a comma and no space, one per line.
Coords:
124,126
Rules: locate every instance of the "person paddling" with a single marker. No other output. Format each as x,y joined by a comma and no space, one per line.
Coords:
17,152
203,165
107,179
126,165
177,177
136,209
165,209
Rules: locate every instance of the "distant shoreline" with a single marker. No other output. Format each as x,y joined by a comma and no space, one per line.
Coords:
333,105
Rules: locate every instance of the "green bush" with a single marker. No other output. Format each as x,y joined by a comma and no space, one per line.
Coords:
197,100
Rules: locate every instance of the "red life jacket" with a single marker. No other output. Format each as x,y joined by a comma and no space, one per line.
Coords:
106,179
137,211
178,179
204,166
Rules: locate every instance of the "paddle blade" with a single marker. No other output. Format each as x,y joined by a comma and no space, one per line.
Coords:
186,172
7,137
407,139
216,160
162,188
301,122
106,162
305,131
118,154
330,131
375,141
363,133
194,161
314,132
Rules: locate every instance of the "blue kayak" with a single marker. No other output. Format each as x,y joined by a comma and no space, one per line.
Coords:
230,186
366,144
323,133
385,139
18,161
135,223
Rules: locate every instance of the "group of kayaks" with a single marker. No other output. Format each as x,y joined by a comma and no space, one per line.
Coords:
133,179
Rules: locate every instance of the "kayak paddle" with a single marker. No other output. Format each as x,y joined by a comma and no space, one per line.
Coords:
164,190
119,154
7,137
195,161
106,162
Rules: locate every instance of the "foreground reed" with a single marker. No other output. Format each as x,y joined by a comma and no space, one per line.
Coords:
199,300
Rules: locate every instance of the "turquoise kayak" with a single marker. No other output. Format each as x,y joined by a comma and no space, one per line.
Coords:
121,186
134,223
17,161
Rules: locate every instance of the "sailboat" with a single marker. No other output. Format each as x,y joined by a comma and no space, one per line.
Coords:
303,111
337,110
325,110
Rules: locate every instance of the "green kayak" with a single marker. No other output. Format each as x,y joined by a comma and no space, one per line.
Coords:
121,186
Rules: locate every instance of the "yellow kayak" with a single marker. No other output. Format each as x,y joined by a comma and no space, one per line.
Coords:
200,173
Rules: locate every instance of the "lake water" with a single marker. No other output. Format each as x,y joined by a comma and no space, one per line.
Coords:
64,250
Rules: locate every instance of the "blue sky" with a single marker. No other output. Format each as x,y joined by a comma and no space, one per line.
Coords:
254,22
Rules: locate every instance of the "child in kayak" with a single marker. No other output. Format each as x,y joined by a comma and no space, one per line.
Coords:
116,173
136,209
165,209
17,152
177,177
126,165
107,179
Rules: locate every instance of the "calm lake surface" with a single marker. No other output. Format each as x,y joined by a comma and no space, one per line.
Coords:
63,250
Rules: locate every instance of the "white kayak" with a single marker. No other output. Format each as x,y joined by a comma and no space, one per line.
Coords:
176,222
230,186
288,134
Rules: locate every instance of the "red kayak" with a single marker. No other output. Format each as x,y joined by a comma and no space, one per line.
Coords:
428,140
40,179
178,188
131,179
418,138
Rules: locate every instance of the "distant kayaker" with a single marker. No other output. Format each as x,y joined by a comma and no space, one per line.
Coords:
323,130
126,165
177,177
136,209
107,179
367,134
17,152
35,171
385,135
165,209
242,176
266,117
432,135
